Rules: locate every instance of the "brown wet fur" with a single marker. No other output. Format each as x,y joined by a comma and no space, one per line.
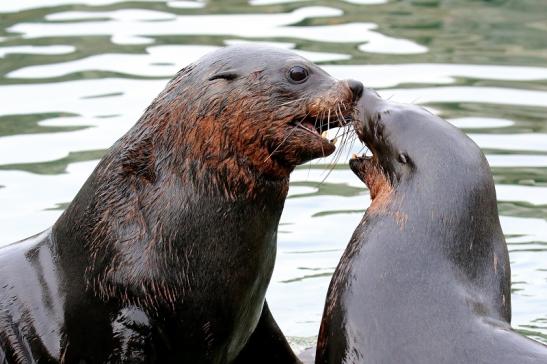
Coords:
371,173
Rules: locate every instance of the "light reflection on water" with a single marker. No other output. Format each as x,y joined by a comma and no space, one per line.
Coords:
77,74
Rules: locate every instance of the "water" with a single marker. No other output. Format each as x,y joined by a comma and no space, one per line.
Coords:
76,74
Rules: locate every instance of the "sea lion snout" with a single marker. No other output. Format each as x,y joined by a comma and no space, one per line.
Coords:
368,106
374,124
356,88
370,114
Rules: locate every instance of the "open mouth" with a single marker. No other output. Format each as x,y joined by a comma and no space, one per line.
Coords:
370,171
318,127
360,164
370,132
373,167
367,166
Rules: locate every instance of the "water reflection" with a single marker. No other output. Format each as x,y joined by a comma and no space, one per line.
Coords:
136,26
76,74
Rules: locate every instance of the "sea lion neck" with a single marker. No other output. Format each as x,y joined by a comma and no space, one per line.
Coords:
124,218
460,236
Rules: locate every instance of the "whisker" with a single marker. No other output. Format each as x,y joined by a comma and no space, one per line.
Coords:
336,136
317,119
328,120
268,108
292,101
353,139
341,116
343,141
347,132
309,170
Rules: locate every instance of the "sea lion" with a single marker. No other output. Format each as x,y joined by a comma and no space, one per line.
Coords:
166,252
425,277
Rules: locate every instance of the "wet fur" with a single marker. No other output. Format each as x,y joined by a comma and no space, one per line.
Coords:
166,252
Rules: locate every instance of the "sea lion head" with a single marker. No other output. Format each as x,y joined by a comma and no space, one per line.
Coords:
415,151
263,107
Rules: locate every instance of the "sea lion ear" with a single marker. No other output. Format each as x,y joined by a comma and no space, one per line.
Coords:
228,75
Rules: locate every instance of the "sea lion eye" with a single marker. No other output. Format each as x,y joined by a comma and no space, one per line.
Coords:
298,74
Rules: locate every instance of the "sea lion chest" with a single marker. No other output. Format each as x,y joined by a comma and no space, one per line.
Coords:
221,261
225,258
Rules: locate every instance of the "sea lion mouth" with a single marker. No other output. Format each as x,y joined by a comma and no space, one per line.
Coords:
367,133
300,136
370,131
318,127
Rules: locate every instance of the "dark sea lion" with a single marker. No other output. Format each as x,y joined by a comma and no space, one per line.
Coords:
165,254
425,277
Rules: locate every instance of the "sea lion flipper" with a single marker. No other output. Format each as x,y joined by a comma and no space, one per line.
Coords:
267,344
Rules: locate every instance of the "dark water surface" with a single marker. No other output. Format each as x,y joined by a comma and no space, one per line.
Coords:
76,74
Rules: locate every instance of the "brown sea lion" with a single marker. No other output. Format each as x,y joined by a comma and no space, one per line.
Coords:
165,254
426,276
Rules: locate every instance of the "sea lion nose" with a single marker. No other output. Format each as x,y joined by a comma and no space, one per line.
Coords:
369,104
356,88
